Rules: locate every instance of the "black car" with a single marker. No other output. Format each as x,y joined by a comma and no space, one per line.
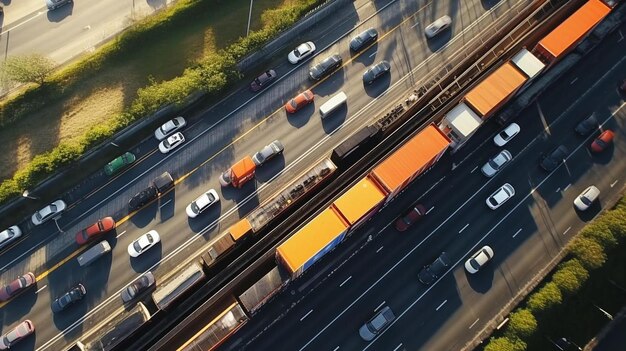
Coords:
325,67
376,71
587,125
71,296
363,39
143,197
431,272
552,160
263,80
137,287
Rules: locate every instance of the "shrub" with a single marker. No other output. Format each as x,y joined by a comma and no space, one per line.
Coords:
505,344
601,233
548,296
588,251
569,278
522,324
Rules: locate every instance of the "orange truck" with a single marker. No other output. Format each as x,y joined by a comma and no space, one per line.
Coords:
239,173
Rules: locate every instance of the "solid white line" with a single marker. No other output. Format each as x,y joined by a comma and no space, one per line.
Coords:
567,230
430,209
568,185
613,184
443,303
475,168
306,315
345,281
379,306
397,347
558,189
517,232
380,248
413,26
43,287
462,229
336,348
572,82
502,323
165,203
120,234
476,321
373,54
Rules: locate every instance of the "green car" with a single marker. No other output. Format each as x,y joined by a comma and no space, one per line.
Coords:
119,163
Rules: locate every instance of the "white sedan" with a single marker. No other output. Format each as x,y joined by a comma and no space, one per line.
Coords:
436,27
479,259
169,127
496,163
303,51
506,135
171,142
48,212
500,196
9,235
143,243
587,198
203,202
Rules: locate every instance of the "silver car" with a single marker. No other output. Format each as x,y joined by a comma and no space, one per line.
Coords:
377,324
9,235
587,198
169,127
48,212
171,142
506,135
268,152
137,287
438,26
496,163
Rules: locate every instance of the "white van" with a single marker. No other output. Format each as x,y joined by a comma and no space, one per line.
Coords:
94,253
334,103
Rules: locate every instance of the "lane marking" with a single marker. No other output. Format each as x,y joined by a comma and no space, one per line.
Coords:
336,348
558,189
567,230
306,315
43,287
476,321
379,306
397,347
416,23
621,36
120,234
573,81
462,229
517,232
567,187
613,184
165,203
374,54
345,281
475,168
430,209
380,248
443,303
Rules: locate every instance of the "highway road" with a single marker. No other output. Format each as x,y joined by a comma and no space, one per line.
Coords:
68,31
218,136
324,309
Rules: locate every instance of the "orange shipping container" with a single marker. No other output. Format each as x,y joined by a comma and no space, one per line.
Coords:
312,242
492,92
572,30
410,160
240,229
242,171
360,200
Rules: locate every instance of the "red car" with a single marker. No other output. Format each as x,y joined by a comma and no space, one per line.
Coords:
413,215
100,227
18,285
602,141
303,99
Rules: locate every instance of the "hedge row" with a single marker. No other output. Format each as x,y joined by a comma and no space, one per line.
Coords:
211,75
586,252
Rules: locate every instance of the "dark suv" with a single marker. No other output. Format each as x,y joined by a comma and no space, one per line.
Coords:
552,160
325,67
362,40
431,272
158,186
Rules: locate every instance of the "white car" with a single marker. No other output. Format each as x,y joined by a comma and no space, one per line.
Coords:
48,212
303,51
9,235
143,243
203,202
171,142
587,198
500,196
496,163
169,127
479,259
506,135
436,27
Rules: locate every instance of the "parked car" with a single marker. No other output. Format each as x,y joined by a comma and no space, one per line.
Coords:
327,66
118,163
203,202
17,286
70,297
137,287
377,324
438,26
54,4
409,218
16,334
304,98
587,198
506,135
363,39
303,51
552,160
496,163
500,196
171,142
263,80
143,243
431,272
9,235
268,152
603,141
95,230
48,212
169,127
587,125
479,259
376,71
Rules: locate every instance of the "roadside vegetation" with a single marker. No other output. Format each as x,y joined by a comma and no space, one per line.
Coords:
190,47
573,300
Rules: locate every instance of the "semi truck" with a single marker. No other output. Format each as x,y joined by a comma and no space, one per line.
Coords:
239,173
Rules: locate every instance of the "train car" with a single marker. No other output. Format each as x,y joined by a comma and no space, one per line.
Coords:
178,285
360,202
356,146
218,330
255,296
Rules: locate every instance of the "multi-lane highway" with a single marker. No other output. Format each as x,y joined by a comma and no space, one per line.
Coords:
240,124
324,309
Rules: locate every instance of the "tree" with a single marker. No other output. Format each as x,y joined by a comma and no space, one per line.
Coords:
505,344
522,324
548,296
588,251
33,68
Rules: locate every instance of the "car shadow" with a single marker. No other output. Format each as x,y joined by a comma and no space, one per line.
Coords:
335,119
482,281
301,117
207,220
149,258
167,206
379,86
60,13
440,40
591,212
365,57
145,215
